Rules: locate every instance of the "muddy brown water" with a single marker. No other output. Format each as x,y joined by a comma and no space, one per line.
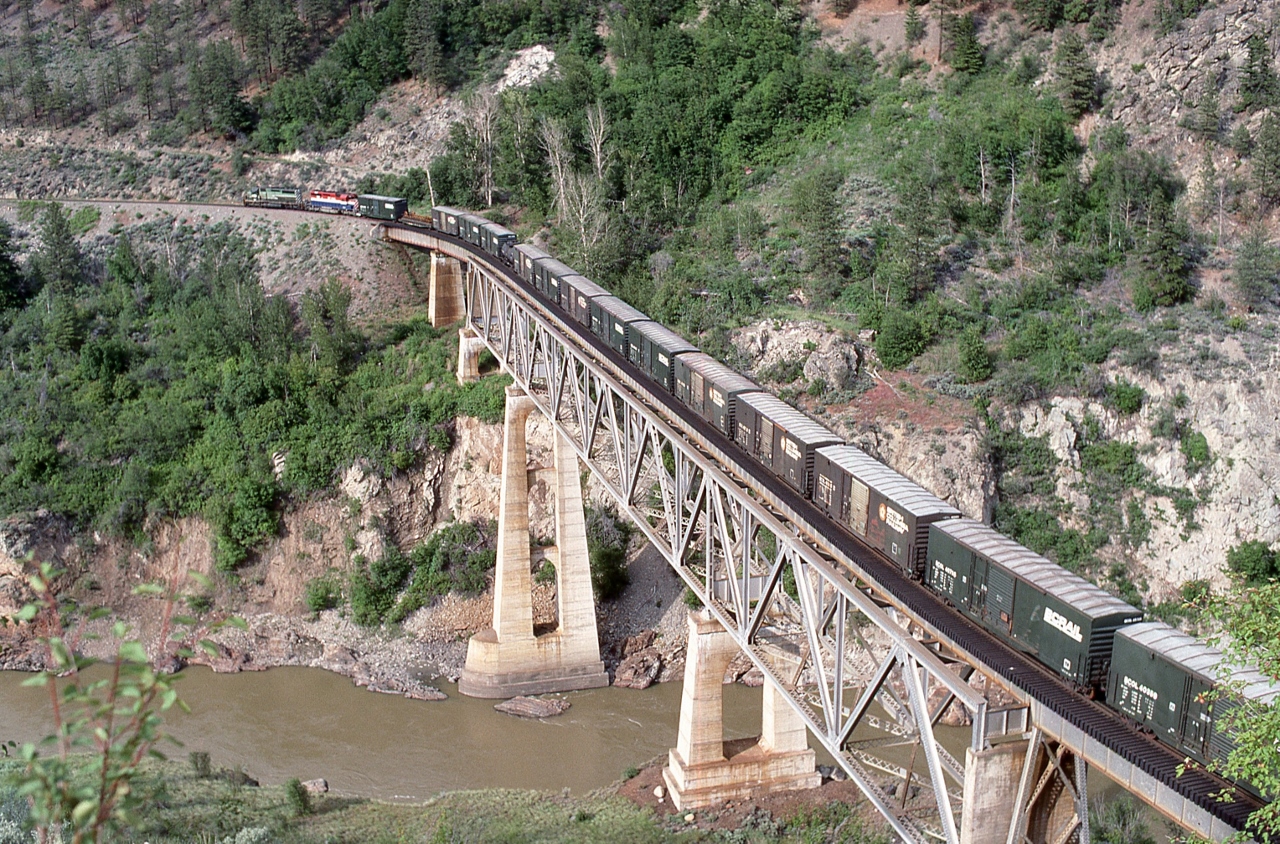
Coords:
308,723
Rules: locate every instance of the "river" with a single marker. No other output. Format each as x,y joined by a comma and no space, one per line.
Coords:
308,723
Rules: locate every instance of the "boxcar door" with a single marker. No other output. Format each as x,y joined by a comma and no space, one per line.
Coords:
1197,718
999,600
766,442
859,500
697,388
976,603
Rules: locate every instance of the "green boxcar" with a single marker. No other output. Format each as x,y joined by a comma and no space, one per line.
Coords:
653,348
610,317
496,239
553,272
529,265
445,219
1062,619
381,207
1164,679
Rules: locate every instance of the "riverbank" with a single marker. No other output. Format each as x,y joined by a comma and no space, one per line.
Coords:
183,805
647,623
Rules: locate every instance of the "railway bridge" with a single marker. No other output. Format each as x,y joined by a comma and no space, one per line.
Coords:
853,652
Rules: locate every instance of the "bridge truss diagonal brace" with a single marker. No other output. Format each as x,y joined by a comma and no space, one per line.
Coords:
734,545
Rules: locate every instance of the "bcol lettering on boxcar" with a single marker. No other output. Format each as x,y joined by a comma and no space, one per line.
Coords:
1058,621
894,520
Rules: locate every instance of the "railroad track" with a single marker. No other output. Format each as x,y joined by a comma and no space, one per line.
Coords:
1020,670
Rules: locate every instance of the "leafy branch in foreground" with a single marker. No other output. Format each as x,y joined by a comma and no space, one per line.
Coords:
79,778
1250,637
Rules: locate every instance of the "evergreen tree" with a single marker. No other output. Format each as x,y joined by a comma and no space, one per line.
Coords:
1162,279
815,201
975,358
58,260
422,41
966,52
1040,14
145,84
1266,161
1208,118
915,28
1258,84
1256,269
38,92
12,286
1077,78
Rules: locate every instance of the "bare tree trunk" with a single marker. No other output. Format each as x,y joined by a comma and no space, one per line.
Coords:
584,214
598,136
982,171
482,114
556,145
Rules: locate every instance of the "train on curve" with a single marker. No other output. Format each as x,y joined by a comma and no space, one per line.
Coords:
1158,678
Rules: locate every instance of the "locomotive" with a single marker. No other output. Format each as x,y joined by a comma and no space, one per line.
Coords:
1161,680
389,208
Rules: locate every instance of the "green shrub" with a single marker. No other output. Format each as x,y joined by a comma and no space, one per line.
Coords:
1126,398
323,593
691,599
1195,448
900,339
546,573
607,540
1254,561
1139,525
199,603
298,796
200,764
457,557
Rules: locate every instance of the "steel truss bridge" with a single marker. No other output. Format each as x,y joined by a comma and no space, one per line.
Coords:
872,660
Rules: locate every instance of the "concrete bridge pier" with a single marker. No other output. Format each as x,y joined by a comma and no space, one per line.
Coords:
444,291
703,768
508,659
1026,791
469,348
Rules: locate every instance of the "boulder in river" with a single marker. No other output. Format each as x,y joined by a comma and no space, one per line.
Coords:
533,707
640,670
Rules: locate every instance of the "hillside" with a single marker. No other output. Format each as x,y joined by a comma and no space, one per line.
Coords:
1021,252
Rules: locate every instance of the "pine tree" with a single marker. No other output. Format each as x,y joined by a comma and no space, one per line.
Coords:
1266,161
58,260
966,53
1208,118
1077,78
1040,14
12,285
145,84
1162,279
422,41
975,358
915,28
1256,269
1258,84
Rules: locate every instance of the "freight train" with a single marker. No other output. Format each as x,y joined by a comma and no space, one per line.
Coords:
1161,680
328,202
